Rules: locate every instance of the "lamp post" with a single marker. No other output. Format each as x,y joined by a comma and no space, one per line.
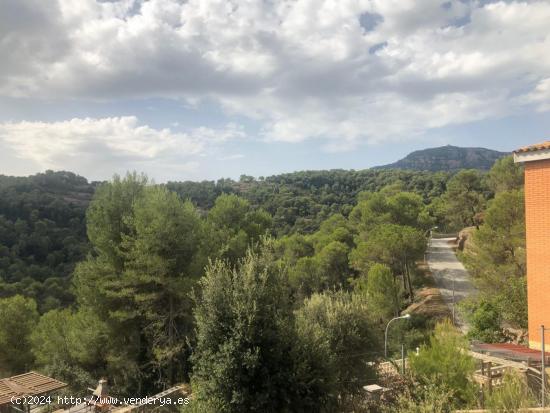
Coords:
429,241
386,333
543,365
454,275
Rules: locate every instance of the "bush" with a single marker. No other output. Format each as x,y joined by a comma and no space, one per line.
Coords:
249,357
485,321
342,322
514,394
445,361
428,399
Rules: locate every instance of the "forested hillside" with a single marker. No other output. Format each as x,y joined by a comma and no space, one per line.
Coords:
42,217
42,235
266,295
300,201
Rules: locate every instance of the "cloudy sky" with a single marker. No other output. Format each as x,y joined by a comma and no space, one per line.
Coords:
202,89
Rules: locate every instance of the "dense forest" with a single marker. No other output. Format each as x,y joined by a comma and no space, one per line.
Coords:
43,230
42,235
266,294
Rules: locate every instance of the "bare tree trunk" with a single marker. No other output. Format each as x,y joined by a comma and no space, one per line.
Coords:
171,338
411,293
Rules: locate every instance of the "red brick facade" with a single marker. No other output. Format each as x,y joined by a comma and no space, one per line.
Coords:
537,221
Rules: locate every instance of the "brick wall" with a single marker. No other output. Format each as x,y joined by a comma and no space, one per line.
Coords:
537,221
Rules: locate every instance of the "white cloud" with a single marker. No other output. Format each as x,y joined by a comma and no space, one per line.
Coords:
97,147
304,69
231,157
541,95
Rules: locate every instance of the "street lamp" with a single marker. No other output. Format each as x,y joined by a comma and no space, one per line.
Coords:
386,333
429,241
430,230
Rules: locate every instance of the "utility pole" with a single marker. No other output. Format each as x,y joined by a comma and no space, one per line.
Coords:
454,299
402,359
543,366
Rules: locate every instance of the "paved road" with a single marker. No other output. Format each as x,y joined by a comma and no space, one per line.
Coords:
450,276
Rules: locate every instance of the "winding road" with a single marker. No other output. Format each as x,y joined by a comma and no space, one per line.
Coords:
450,276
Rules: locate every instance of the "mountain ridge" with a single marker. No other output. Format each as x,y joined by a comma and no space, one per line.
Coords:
447,158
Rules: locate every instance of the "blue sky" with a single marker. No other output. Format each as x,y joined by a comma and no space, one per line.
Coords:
208,89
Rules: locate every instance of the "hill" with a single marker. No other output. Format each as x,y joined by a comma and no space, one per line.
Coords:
447,158
42,234
42,217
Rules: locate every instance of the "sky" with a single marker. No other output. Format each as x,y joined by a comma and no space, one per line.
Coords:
205,89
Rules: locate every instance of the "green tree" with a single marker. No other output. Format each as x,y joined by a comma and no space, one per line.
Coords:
233,225
381,291
445,360
101,288
465,198
246,357
333,264
138,280
495,256
162,264
109,216
371,210
344,322
485,322
305,278
335,228
69,345
18,317
397,246
406,208
293,247
505,175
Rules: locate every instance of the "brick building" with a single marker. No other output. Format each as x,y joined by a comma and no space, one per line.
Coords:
536,159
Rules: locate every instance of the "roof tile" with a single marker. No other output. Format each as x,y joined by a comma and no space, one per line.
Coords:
535,147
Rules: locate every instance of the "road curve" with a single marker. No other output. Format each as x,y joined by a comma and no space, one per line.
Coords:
450,276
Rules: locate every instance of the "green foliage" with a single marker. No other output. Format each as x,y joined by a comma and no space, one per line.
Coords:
335,228
465,198
233,225
148,247
276,331
381,290
245,357
432,398
318,261
162,262
495,256
18,317
109,216
505,175
42,235
371,210
485,323
68,345
342,320
514,394
405,208
445,361
43,230
101,285
301,201
397,246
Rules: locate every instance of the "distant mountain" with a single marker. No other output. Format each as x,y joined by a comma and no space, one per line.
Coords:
447,158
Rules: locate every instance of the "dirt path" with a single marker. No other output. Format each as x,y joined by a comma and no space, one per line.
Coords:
450,276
